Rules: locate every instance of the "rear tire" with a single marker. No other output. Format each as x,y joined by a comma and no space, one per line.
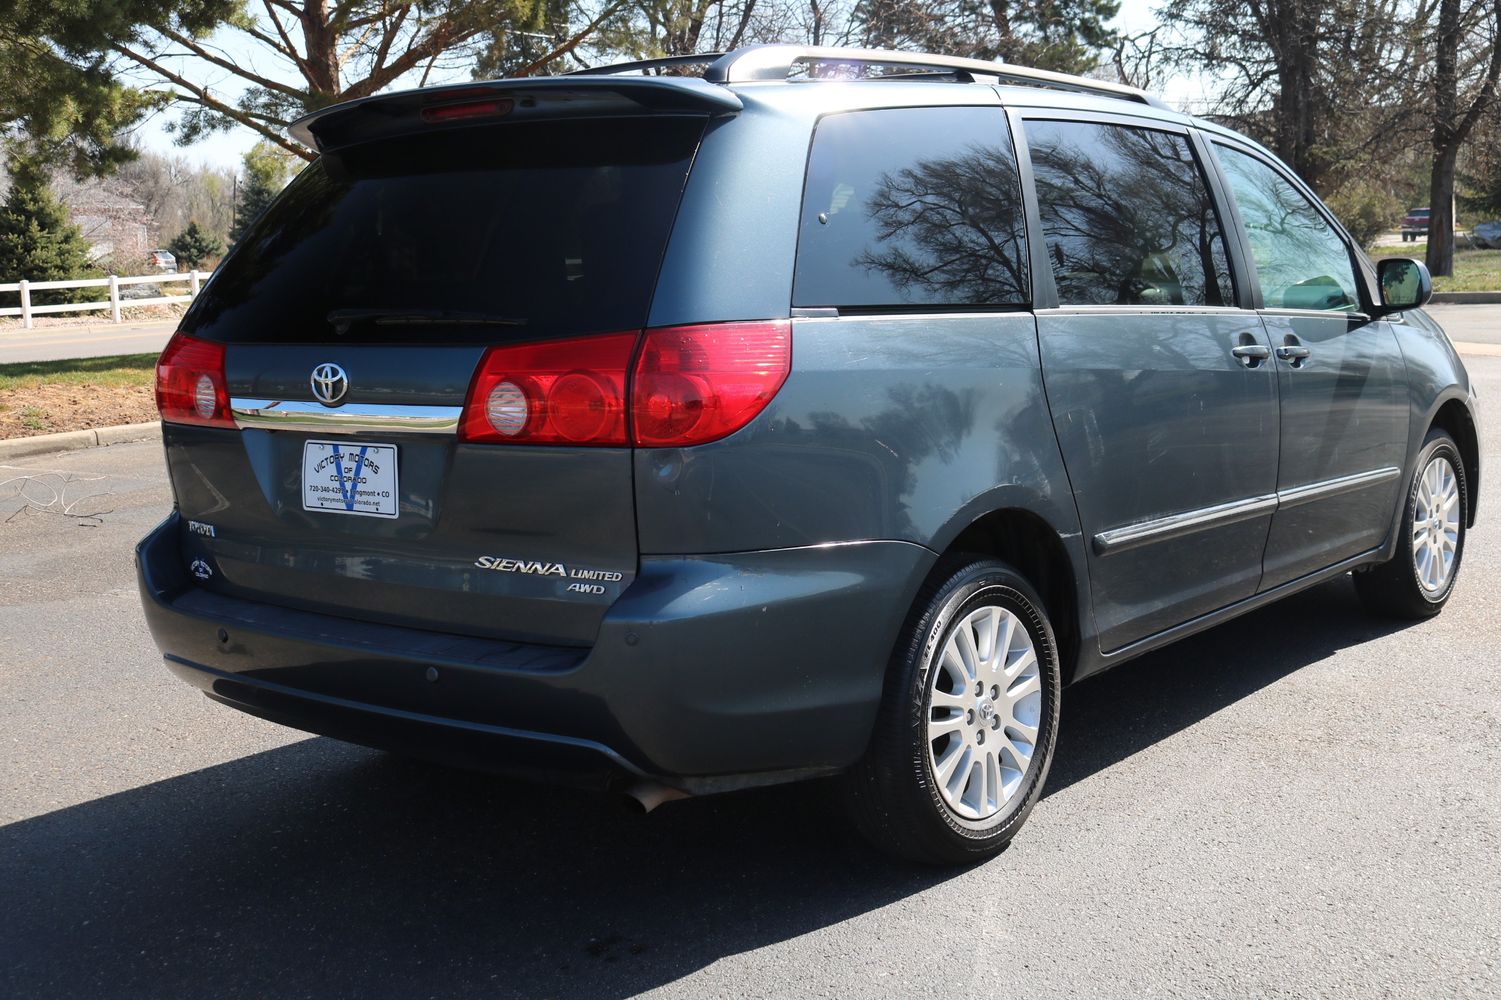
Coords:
1417,581
968,721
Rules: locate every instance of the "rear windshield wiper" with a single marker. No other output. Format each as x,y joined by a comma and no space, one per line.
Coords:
343,319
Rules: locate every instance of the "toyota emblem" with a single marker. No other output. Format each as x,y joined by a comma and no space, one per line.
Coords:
329,384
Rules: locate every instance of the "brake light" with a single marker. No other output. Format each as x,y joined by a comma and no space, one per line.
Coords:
191,387
468,109
695,384
568,392
689,385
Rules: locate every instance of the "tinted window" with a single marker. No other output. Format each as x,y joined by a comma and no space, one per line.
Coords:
1301,262
1127,217
557,226
917,206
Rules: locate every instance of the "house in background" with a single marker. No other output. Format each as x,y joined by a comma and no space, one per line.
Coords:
118,228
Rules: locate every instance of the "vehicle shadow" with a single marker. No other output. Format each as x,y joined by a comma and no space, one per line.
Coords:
327,870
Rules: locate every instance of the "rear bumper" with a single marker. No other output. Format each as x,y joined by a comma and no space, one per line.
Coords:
709,672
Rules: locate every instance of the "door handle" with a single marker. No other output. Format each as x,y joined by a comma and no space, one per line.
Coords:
1251,355
1294,353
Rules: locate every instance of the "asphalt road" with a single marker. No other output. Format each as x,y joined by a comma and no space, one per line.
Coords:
93,341
1468,324
1305,802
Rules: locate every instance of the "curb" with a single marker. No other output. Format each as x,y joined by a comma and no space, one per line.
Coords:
43,444
1467,298
1477,350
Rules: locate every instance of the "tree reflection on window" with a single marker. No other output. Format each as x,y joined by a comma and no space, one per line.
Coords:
1127,217
912,206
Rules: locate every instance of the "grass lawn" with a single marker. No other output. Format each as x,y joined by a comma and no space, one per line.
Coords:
1474,270
42,397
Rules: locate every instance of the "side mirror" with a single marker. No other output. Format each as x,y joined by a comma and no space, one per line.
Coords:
1404,282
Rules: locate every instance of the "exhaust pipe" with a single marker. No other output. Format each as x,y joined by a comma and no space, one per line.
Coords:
650,794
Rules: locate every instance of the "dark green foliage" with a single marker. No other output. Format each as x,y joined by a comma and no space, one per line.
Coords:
1367,210
37,242
1484,197
267,170
1060,35
193,246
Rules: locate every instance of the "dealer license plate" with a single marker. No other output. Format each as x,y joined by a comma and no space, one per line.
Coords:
347,477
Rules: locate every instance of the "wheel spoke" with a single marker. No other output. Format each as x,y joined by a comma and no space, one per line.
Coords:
951,724
1021,688
996,655
1020,752
954,661
942,699
982,789
966,637
1026,732
957,753
1026,658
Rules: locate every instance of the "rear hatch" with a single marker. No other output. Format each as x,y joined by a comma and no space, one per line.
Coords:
378,281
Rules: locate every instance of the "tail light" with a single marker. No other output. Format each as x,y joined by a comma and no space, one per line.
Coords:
689,385
190,384
694,384
568,392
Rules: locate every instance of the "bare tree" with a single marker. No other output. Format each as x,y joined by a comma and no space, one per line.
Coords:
1467,65
329,51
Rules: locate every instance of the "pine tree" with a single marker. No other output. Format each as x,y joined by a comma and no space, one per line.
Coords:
193,246
37,242
266,172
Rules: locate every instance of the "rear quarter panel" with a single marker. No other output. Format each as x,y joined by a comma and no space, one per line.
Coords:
904,428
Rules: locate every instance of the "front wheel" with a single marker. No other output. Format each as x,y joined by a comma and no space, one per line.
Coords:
968,720
1417,581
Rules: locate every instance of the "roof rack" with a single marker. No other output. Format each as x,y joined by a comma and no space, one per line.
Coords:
776,62
642,65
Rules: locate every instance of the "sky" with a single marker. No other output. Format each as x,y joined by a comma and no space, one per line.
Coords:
224,149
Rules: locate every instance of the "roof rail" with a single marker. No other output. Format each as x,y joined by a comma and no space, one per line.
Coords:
642,65
776,62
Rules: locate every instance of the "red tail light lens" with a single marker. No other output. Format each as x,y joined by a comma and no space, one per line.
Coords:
690,385
566,392
190,384
695,384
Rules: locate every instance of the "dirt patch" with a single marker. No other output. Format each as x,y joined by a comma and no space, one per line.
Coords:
48,408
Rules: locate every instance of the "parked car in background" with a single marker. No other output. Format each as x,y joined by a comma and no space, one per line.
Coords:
162,260
1487,236
1415,225
679,434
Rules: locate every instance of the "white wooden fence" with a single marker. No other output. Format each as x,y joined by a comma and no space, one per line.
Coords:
26,310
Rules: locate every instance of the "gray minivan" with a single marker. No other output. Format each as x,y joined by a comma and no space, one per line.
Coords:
823,414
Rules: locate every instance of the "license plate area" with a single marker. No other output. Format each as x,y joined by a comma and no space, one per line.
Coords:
349,477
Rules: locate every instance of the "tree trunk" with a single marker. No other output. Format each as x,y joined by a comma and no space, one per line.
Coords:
1445,140
1441,212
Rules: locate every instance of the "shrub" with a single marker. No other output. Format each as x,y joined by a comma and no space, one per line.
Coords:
1367,211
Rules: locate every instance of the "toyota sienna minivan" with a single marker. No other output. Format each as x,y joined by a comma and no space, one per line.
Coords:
719,421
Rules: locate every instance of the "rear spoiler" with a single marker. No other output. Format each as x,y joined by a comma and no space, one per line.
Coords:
527,98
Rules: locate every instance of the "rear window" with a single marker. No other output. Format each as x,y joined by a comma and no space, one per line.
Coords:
912,206
521,231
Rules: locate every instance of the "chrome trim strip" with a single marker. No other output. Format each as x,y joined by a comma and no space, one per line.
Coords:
1334,487
351,418
1178,525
